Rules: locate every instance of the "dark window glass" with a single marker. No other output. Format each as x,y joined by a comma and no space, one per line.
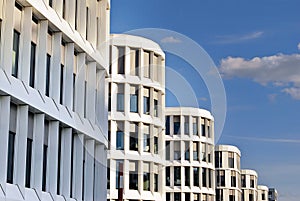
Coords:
48,74
243,181
61,84
50,3
155,108
155,145
45,155
168,150
10,157
133,141
168,176
231,159
28,162
177,176
119,173
156,182
109,97
120,102
146,105
177,196
168,196
146,143
121,60
146,181
203,130
133,103
187,176
219,195
176,128
168,125
32,65
196,176
218,159
187,196
133,180
15,56
120,140
204,181
187,151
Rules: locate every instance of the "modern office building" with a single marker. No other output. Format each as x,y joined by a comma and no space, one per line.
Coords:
189,151
228,175
136,119
262,192
249,185
273,195
53,109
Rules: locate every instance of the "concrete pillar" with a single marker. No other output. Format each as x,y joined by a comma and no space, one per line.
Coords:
25,44
7,31
37,152
90,93
52,162
78,166
4,130
68,75
100,173
41,61
79,84
20,147
65,162
89,170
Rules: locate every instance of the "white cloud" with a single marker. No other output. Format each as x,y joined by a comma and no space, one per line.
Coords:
239,38
279,70
293,91
274,140
170,39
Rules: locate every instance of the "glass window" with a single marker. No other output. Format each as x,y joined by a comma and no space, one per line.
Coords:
15,56
11,142
218,159
177,152
146,101
204,183
233,179
168,150
168,196
195,151
177,176
134,94
243,180
155,140
146,138
133,175
109,97
221,178
196,176
186,125
62,85
187,196
155,67
146,64
231,159
29,149
120,136
168,176
187,176
231,195
121,60
45,154
219,195
134,62
176,120
155,103
252,182
167,125
177,196
32,64
119,173
133,141
187,151
155,182
195,125
48,75
203,152
146,176
120,98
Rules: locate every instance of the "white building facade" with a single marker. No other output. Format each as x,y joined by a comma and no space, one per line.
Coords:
249,185
228,175
136,119
189,152
262,192
273,194
53,107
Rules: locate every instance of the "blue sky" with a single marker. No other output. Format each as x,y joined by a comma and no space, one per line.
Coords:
256,46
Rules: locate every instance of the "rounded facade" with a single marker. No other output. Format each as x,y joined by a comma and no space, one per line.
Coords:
262,192
189,145
136,116
249,185
228,175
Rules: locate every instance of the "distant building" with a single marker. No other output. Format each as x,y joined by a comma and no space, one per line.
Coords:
249,185
228,174
273,195
262,192
136,119
53,119
189,145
